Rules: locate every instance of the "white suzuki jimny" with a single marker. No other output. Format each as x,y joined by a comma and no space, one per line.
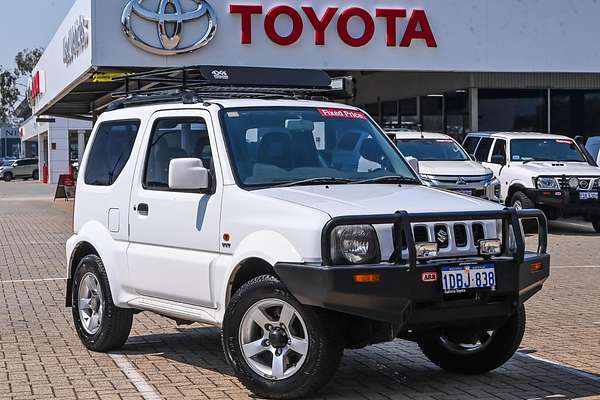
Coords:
226,203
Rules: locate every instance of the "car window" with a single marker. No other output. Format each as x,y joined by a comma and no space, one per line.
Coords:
470,144
500,148
545,150
432,149
281,145
110,152
172,138
483,149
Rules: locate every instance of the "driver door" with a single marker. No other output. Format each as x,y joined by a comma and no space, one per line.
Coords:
174,235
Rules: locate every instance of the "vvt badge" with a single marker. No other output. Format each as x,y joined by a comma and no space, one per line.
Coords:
169,18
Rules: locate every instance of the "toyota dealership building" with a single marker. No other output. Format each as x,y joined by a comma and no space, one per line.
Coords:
453,66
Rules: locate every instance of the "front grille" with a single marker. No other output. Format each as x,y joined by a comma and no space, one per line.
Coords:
478,232
465,180
585,182
421,234
460,235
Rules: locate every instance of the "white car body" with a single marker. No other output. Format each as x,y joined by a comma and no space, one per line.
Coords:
519,175
464,176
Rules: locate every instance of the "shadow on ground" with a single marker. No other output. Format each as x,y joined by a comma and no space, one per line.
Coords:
394,370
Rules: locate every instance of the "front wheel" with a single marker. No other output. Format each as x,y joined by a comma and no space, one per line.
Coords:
475,352
596,225
36,175
278,348
101,325
8,177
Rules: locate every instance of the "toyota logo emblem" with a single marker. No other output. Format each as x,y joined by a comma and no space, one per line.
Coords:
170,14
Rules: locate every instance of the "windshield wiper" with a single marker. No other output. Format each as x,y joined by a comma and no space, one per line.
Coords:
316,181
390,179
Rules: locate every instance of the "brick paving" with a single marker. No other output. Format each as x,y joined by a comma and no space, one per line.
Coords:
41,356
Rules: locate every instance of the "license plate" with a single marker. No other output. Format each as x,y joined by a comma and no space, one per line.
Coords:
457,279
464,191
588,195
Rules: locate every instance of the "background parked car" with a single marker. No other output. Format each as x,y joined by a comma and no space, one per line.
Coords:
24,168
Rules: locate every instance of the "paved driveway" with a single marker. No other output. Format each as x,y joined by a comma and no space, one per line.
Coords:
41,356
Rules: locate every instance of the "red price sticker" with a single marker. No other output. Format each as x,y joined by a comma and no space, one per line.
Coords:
339,113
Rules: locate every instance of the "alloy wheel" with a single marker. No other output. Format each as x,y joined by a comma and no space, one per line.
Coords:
91,303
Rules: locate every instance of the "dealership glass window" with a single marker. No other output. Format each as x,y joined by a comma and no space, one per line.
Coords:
575,112
373,110
408,113
174,138
110,152
513,110
457,113
389,111
432,117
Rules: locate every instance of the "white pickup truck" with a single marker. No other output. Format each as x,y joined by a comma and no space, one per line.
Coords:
538,170
222,203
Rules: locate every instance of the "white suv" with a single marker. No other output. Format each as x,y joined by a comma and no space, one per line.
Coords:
443,163
227,208
549,172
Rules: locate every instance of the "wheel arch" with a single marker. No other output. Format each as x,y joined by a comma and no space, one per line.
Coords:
245,271
81,249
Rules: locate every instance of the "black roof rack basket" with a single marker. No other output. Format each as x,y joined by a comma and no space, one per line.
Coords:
194,83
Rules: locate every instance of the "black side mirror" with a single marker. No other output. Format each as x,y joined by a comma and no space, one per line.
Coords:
498,159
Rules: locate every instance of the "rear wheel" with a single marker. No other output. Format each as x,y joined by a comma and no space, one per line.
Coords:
36,175
596,224
101,325
278,348
8,176
477,351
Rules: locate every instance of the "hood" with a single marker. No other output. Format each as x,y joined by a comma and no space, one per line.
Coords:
369,199
452,168
557,168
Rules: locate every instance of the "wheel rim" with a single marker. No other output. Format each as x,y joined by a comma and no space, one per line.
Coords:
518,205
274,339
480,341
90,303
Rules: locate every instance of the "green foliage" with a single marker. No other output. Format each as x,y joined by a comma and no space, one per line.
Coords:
10,81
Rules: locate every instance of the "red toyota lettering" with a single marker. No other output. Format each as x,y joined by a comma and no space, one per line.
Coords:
320,24
297,25
391,16
418,19
342,27
246,11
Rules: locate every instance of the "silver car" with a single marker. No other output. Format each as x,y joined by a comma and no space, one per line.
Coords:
24,168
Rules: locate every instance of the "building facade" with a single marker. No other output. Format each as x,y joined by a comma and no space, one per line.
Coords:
10,142
450,66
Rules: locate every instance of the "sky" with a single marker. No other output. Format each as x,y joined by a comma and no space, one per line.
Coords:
29,24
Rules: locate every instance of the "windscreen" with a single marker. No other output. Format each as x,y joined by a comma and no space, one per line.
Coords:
432,149
278,145
545,150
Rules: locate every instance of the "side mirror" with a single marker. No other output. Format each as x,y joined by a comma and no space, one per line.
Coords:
414,163
498,159
188,174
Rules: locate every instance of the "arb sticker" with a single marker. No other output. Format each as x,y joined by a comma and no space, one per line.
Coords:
428,277
338,113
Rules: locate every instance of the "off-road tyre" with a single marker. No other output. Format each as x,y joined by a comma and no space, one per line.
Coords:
502,346
325,343
115,323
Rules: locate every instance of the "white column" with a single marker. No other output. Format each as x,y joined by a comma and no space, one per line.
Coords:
474,108
80,145
549,110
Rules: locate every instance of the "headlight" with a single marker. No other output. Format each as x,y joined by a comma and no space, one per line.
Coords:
355,244
547,183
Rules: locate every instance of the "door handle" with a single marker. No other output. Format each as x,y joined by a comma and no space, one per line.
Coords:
142,209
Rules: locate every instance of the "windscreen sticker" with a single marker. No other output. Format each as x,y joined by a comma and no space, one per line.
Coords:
444,140
563,141
338,113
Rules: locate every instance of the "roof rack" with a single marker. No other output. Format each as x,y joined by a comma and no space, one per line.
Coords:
193,84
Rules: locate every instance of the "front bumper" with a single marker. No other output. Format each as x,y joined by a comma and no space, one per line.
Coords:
402,297
405,293
568,202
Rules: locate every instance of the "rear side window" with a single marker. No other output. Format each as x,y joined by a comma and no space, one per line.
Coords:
500,149
481,154
470,144
110,152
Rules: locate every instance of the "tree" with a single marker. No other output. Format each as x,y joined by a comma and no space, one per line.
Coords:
10,81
